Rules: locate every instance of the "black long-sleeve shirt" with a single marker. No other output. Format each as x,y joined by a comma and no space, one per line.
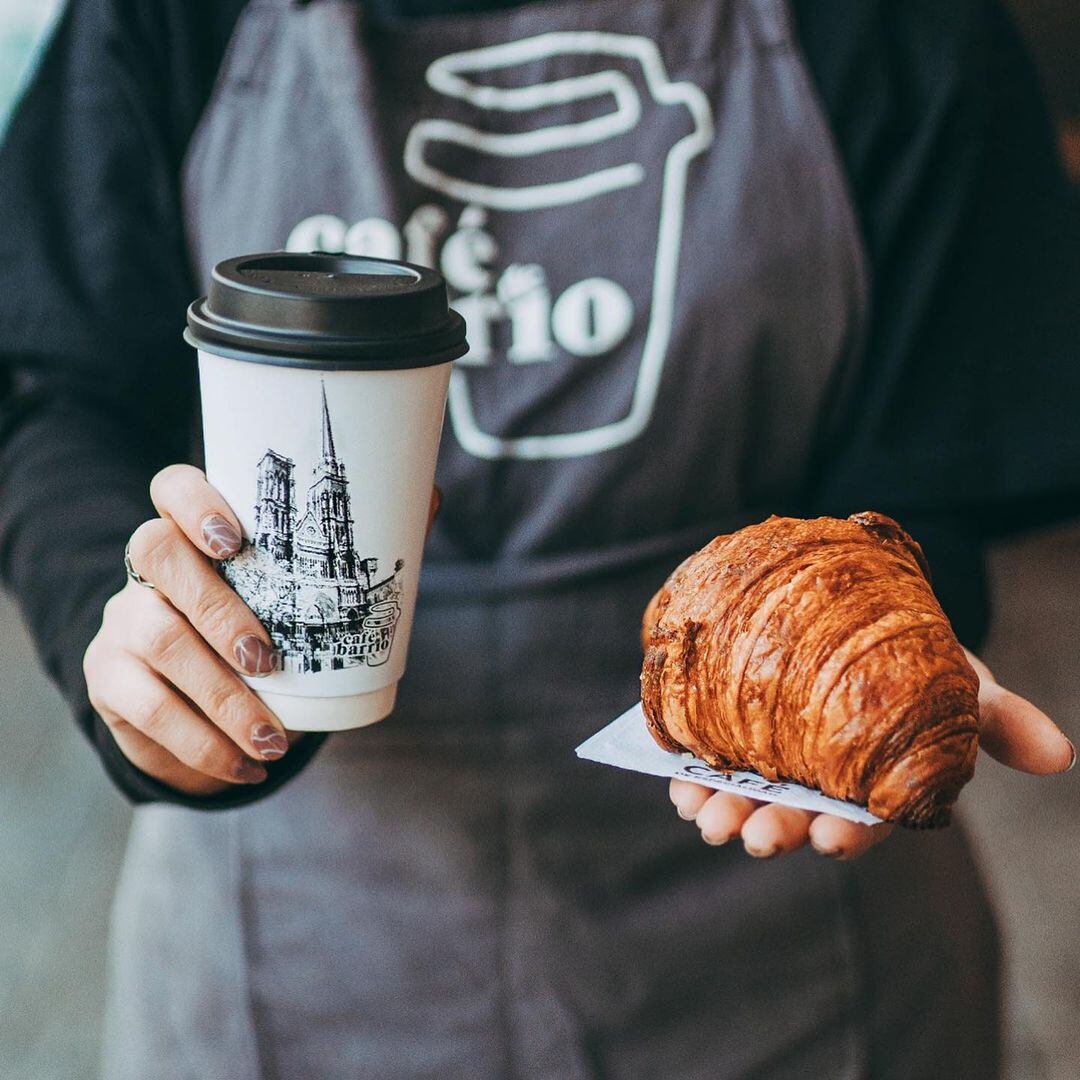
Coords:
964,423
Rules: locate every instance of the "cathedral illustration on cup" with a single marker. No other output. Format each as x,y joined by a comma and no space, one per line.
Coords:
324,606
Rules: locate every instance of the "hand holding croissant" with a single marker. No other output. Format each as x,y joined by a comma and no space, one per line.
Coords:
815,651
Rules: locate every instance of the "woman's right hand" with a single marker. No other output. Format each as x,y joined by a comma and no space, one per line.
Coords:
162,670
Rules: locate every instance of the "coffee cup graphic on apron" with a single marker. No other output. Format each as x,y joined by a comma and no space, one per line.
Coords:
560,163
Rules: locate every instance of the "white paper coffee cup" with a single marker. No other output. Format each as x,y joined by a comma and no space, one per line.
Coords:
323,382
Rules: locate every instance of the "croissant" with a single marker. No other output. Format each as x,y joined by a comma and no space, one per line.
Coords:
816,652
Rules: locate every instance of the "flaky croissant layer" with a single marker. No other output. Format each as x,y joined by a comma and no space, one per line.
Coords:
815,651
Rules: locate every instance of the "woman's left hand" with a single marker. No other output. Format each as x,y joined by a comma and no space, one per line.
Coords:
1011,729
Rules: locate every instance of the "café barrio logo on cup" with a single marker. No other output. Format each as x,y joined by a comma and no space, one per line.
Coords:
571,174
324,605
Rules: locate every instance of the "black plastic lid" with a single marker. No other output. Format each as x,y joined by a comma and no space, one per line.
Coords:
321,310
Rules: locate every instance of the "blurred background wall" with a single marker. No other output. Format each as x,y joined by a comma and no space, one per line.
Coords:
62,828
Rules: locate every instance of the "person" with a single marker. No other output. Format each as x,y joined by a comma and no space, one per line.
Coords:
717,260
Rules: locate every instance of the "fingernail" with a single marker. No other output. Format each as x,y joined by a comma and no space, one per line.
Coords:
684,815
715,841
830,853
1072,760
254,656
270,742
249,772
220,536
761,853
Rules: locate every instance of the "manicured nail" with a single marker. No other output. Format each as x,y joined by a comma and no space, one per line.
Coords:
1072,760
220,536
249,772
830,853
761,853
254,656
270,742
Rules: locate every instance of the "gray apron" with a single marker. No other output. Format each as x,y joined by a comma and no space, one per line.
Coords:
638,208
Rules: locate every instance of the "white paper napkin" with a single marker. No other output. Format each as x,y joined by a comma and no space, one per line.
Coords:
627,744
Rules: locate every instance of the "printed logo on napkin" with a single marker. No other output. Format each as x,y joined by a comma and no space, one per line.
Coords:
627,744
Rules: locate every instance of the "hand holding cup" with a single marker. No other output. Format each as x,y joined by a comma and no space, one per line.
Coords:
164,669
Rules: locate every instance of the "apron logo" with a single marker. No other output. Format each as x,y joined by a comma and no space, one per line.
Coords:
569,168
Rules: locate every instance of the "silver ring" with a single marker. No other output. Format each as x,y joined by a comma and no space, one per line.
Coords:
133,574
